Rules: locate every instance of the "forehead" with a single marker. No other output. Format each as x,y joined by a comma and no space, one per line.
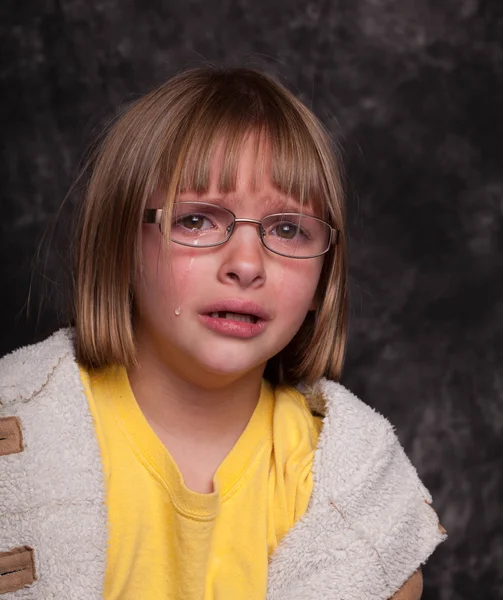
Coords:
234,168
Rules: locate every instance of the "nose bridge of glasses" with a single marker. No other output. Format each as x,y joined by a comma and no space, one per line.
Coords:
255,222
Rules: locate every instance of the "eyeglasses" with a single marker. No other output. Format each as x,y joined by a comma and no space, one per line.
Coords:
205,225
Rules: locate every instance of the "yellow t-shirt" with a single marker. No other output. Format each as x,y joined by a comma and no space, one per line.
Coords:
169,542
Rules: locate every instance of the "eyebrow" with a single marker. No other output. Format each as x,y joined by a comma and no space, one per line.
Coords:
287,205
274,204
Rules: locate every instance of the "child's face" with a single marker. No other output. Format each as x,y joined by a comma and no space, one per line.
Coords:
191,343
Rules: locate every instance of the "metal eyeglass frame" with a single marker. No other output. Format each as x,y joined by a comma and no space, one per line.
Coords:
154,216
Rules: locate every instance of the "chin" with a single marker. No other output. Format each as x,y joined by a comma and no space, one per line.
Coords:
226,365
227,368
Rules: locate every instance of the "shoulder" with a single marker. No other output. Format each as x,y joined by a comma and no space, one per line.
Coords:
362,448
41,391
54,500
364,473
354,435
24,372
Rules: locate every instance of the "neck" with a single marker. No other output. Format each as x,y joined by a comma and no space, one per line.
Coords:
191,404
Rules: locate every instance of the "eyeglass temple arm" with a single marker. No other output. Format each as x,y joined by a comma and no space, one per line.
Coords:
335,235
152,215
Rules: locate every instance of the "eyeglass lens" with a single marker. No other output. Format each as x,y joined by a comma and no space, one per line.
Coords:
290,234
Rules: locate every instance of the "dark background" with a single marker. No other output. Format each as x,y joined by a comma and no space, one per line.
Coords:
412,90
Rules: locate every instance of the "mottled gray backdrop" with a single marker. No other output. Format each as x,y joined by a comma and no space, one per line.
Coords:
413,92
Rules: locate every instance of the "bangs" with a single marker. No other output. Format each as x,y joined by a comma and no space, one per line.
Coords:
283,146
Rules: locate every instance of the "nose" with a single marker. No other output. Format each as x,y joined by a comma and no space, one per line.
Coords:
243,258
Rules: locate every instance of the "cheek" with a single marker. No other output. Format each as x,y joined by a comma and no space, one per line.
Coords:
155,281
189,272
169,279
296,287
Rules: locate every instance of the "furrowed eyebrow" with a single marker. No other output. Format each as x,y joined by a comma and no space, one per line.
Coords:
270,204
278,205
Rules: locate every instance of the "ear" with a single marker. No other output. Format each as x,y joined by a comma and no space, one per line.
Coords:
314,304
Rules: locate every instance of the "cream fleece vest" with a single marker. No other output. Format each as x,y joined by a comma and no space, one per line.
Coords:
368,527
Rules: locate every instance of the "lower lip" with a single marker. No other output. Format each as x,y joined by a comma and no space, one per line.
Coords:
238,329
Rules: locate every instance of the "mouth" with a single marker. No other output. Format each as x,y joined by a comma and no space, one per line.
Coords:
234,316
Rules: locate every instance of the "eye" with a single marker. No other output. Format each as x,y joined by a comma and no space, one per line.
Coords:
193,222
287,231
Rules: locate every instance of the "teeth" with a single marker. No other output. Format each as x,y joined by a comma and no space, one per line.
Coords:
234,316
239,317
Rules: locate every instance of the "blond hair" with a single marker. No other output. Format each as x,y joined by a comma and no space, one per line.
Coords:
165,141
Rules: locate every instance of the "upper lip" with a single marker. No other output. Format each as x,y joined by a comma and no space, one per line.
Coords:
245,307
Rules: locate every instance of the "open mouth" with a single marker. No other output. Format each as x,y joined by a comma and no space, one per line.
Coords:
232,316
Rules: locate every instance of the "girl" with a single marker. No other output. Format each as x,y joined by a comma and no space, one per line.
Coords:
186,438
